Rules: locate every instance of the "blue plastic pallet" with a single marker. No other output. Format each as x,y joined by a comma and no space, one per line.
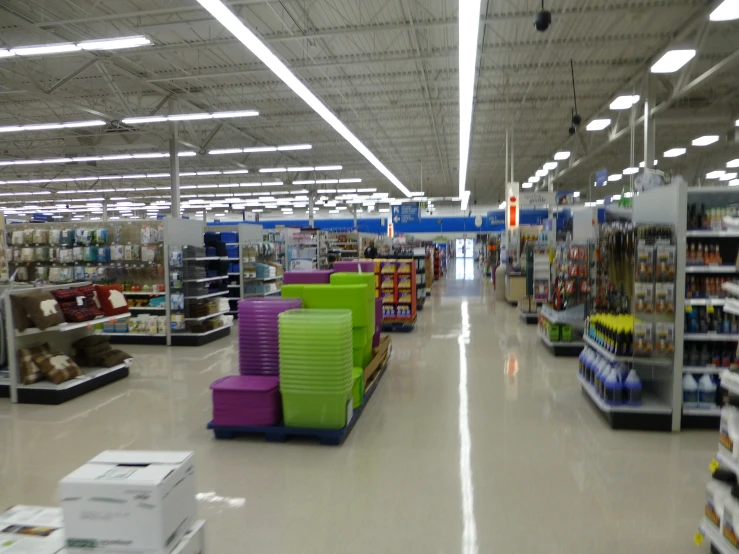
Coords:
399,326
329,437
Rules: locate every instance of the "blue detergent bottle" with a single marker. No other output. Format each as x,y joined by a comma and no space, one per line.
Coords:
613,388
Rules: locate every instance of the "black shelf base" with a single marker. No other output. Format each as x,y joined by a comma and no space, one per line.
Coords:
56,397
565,350
200,340
124,338
634,421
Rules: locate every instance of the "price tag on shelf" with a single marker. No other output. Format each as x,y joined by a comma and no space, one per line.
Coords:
698,537
688,309
709,309
713,466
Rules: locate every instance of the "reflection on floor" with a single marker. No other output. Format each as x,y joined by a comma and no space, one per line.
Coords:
477,441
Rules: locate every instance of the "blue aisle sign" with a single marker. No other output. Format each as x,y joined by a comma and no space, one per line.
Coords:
496,217
601,176
406,213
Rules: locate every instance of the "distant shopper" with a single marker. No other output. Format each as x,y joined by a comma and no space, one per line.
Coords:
370,252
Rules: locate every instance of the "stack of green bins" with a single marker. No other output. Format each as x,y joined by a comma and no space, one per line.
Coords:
341,297
363,330
316,368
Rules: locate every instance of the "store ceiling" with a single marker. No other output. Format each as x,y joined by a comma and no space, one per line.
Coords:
388,70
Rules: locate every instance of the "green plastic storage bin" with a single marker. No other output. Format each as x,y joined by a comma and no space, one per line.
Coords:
358,387
315,410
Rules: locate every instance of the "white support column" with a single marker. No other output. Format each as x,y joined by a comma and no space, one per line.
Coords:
174,165
311,199
355,218
649,104
105,211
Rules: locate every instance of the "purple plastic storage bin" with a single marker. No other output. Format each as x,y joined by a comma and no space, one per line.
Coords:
315,277
246,400
347,266
259,350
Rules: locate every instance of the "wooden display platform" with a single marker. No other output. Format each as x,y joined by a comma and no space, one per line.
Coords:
399,325
328,437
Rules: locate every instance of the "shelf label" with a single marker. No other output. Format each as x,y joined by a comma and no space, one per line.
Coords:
713,466
698,537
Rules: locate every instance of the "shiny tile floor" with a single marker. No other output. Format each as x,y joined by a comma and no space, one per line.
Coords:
476,441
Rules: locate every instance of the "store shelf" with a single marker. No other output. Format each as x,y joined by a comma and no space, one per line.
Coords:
93,378
71,326
143,293
203,259
234,286
228,259
203,296
203,318
705,301
702,369
650,403
206,279
711,337
713,411
732,306
574,316
234,274
127,334
711,533
261,294
726,460
711,269
571,348
206,333
711,234
264,279
147,308
528,317
605,353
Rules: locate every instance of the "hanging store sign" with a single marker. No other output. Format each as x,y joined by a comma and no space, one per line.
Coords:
536,199
601,177
406,213
512,206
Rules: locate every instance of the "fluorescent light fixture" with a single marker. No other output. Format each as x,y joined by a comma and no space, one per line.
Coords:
6,53
559,156
616,197
550,165
598,124
49,126
469,27
600,202
347,181
304,182
728,10
290,147
672,61
705,140
114,43
615,177
80,159
384,210
630,171
218,10
273,184
624,102
527,185
715,174
727,177
541,173
328,168
273,170
326,181
299,169
674,152
502,205
576,194
255,149
534,179
236,172
45,49
641,164
187,117
226,151
733,163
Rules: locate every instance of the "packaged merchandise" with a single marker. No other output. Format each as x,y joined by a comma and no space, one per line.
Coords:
32,530
664,298
690,391
718,492
728,435
117,252
730,519
645,263
643,298
632,389
664,339
643,339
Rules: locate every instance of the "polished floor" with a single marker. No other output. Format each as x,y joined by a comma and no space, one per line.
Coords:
476,441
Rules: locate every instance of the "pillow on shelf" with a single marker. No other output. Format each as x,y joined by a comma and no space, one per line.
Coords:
78,303
57,367
112,300
29,372
43,309
20,314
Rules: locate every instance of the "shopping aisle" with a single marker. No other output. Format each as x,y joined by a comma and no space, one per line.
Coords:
477,440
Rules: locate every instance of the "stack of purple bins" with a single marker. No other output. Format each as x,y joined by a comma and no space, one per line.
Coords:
259,341
253,399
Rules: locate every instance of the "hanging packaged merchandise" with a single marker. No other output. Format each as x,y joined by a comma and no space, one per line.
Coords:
17,238
664,302
645,263
730,519
643,298
53,254
175,258
79,273
27,236
149,254
41,254
41,272
728,434
55,237
643,340
718,493
101,237
117,252
40,236
66,255
78,254
104,254
27,254
664,334
21,273
55,274
65,274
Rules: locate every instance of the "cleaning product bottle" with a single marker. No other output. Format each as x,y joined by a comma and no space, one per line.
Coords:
613,388
718,492
632,389
706,392
581,358
690,391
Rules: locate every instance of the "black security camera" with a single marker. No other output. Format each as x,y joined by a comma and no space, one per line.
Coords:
543,20
576,120
572,130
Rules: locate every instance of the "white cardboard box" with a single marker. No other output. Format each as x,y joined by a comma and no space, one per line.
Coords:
138,502
31,530
194,540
